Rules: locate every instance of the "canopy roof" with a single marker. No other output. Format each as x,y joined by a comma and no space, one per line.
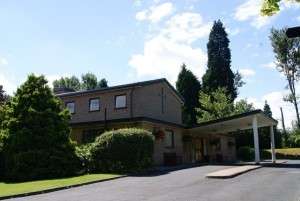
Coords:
234,123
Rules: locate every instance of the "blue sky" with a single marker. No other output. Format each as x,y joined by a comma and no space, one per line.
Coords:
127,41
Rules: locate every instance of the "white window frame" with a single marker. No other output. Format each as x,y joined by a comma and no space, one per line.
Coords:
69,108
90,104
169,141
122,106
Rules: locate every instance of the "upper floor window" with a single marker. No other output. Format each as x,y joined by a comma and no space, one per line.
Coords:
94,104
120,101
71,107
169,139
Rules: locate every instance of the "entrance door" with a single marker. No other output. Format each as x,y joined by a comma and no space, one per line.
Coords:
198,147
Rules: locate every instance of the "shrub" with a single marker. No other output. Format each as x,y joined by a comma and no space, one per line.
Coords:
245,154
123,150
47,164
38,141
83,153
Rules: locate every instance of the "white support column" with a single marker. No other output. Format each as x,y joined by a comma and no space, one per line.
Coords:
272,144
256,140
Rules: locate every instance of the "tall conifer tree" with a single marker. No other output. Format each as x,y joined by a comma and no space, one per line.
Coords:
219,73
188,86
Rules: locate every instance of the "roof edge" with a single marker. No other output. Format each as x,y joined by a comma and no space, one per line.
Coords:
245,114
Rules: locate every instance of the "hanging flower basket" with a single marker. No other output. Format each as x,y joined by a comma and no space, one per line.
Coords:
159,135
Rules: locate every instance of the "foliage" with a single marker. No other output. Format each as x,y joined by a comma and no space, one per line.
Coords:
287,54
188,86
270,7
219,73
293,138
8,189
88,81
38,144
68,82
3,96
267,109
123,150
217,105
83,152
245,153
243,106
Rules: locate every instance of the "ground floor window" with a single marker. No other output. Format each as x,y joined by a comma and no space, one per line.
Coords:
169,139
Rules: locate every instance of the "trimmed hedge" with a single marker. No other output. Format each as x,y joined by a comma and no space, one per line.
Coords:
41,164
123,150
246,154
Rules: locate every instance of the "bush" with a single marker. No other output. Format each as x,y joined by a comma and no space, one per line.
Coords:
83,153
41,164
37,127
123,150
245,154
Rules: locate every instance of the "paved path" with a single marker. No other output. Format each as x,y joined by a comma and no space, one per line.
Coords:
232,172
263,184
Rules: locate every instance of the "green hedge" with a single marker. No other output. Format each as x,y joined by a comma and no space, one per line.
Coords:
41,164
123,150
245,154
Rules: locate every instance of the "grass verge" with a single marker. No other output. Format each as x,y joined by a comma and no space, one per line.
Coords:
288,153
8,189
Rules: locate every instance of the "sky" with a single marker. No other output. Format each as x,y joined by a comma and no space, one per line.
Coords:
129,41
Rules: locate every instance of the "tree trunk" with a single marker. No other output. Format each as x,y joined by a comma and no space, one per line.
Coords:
294,99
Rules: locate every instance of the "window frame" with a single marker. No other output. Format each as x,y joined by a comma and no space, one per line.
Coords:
172,139
118,108
90,100
66,106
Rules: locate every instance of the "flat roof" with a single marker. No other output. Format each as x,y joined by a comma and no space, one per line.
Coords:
124,86
234,123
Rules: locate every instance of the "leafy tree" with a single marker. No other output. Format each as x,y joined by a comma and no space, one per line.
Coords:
243,106
3,96
270,7
88,81
102,83
38,141
219,73
188,86
287,54
68,82
217,105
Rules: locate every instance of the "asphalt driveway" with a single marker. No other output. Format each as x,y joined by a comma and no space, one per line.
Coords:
264,184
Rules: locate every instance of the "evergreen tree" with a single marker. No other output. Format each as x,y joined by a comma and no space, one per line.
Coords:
102,84
188,86
2,95
267,109
37,129
219,73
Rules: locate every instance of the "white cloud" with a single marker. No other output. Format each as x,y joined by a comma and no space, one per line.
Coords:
155,13
8,82
298,18
3,61
270,65
171,46
234,31
250,11
275,100
246,72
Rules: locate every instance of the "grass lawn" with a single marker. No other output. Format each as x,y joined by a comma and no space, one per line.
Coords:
26,187
288,153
